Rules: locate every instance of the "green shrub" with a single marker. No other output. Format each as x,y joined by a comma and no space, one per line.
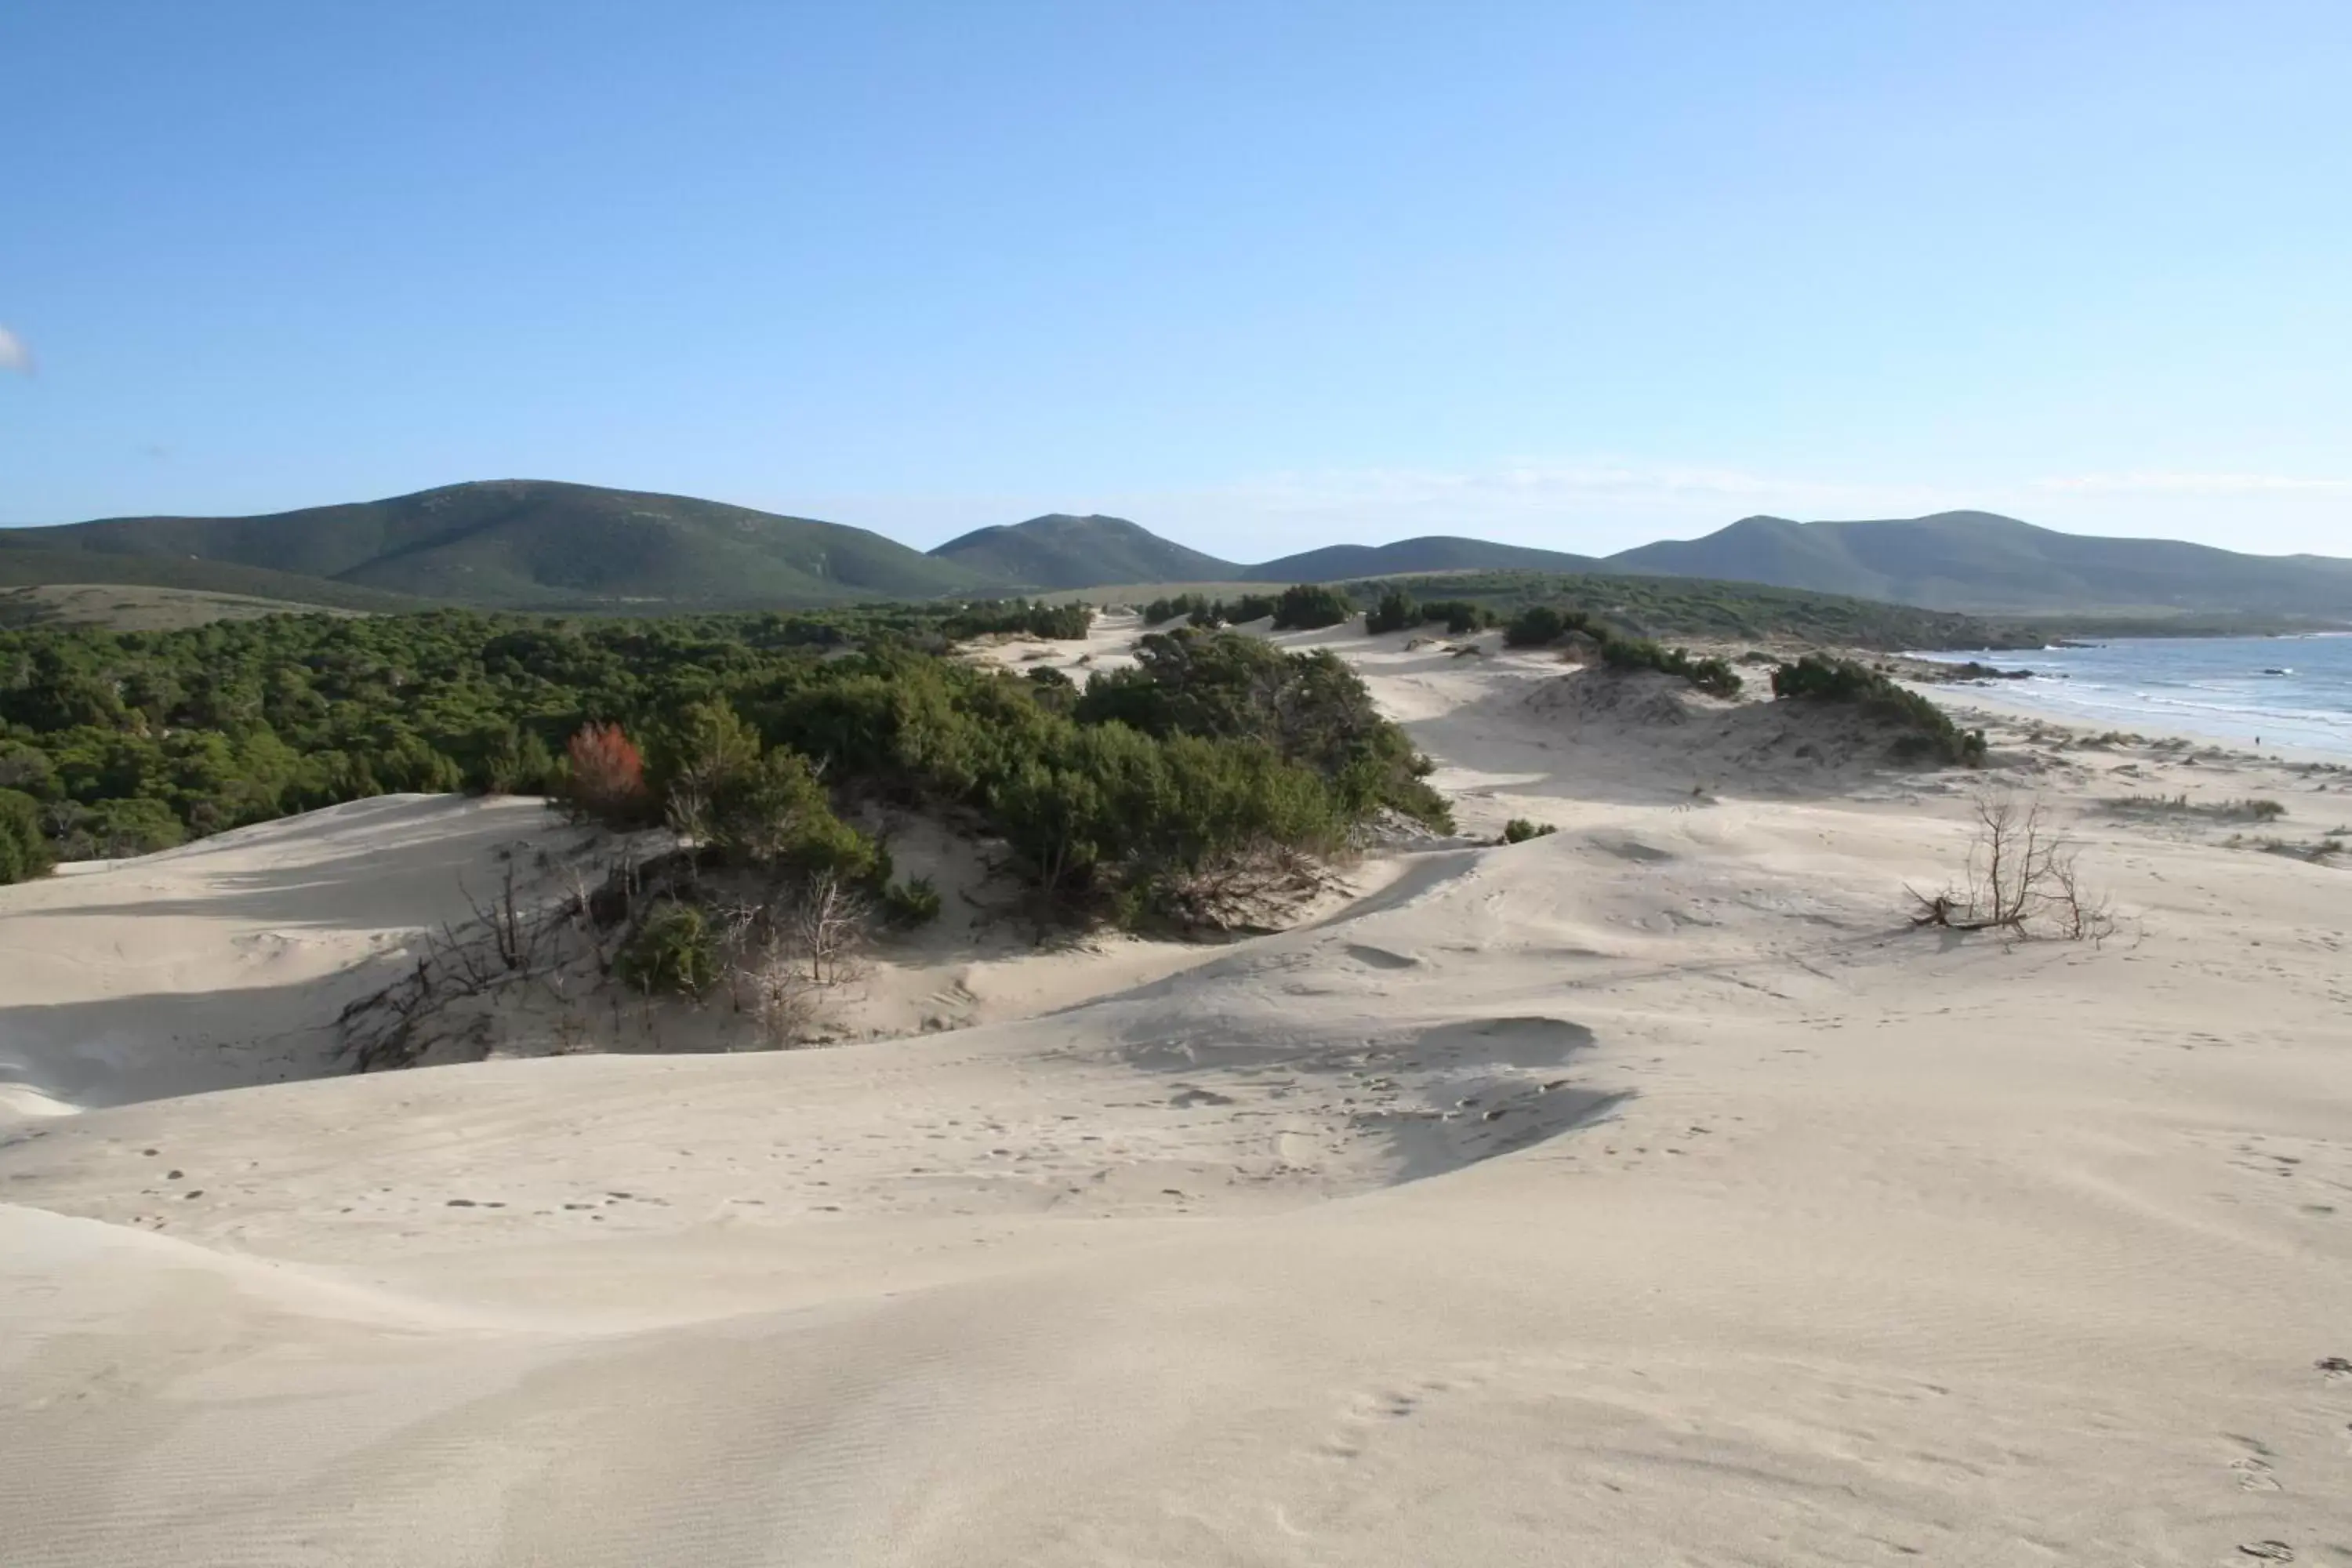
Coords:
913,902
118,829
28,769
23,852
1162,611
1459,615
1538,625
1395,612
1518,830
512,760
1713,676
699,759
1064,622
1307,707
1309,606
775,814
673,950
1928,733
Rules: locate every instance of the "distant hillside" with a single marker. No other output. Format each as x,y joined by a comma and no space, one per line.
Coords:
1433,552
38,557
1059,551
530,544
508,543
1063,552
1977,561
126,608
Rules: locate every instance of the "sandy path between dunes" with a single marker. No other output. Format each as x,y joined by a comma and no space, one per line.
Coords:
1638,1194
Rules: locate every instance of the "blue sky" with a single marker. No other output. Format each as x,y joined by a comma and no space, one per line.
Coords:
1259,276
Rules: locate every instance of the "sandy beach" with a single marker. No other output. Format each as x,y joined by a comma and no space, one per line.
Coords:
1649,1192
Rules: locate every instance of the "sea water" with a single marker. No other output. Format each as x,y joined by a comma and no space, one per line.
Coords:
2291,691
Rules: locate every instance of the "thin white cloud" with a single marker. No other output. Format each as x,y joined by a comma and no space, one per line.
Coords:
2173,484
14,355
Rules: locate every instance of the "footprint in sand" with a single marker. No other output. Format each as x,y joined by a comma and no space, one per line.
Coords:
2253,1469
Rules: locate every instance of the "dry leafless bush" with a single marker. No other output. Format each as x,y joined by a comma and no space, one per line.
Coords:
1252,890
787,953
2023,879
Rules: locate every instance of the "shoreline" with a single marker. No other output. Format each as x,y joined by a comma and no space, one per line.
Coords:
1996,703
2146,686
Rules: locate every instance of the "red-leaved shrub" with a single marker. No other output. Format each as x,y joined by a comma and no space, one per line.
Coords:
608,777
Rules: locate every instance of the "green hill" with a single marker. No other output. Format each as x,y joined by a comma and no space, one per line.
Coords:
1059,551
1981,562
508,543
1432,552
527,545
37,557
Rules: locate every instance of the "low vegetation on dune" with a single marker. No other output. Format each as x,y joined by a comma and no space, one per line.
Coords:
1398,611
1923,731
1064,622
1303,607
1116,801
1541,626
2159,808
1658,607
25,853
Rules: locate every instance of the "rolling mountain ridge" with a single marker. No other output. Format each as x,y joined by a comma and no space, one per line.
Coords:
520,545
1059,551
1981,562
543,545
1430,552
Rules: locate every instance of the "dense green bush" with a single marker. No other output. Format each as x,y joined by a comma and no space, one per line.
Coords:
1306,708
25,854
1395,612
1925,732
1458,616
1309,606
1519,829
1162,611
1696,608
913,902
1067,623
673,950
1713,676
1539,625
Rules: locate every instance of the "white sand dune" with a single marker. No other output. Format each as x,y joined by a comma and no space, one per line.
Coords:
215,964
1642,1194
